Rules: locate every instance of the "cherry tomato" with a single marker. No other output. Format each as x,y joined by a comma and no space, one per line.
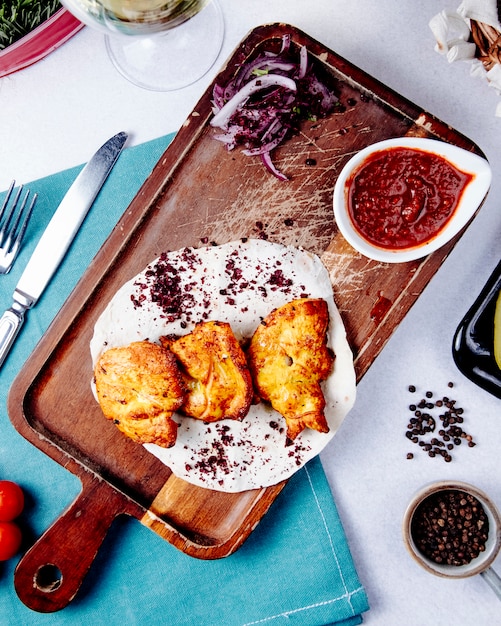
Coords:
11,500
10,540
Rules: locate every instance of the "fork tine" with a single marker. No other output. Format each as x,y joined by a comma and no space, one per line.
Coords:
3,229
14,226
27,214
10,227
6,199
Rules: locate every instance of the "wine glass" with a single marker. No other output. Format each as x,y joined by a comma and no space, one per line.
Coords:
162,45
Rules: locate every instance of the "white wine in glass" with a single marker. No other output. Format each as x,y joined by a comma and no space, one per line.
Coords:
161,45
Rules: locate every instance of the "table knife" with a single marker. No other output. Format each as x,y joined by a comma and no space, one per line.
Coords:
57,238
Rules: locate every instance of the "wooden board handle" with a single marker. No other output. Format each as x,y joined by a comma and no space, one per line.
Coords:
49,575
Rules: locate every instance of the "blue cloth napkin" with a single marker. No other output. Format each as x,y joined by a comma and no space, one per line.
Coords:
295,568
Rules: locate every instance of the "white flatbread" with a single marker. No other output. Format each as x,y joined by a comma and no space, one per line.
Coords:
240,283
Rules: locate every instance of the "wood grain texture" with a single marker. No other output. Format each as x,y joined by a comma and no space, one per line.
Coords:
199,192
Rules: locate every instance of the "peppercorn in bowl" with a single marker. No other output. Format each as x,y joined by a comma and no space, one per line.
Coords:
452,529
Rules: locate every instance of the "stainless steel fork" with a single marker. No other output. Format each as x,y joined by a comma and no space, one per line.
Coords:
13,225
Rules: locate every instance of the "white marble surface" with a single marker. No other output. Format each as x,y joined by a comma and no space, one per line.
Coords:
54,115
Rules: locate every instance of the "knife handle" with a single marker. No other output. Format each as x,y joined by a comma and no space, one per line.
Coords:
10,324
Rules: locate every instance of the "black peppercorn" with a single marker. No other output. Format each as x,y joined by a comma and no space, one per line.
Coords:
423,423
450,527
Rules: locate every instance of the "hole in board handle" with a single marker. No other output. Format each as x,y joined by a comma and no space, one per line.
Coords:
48,578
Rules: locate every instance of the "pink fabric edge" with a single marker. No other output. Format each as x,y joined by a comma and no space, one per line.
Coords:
39,42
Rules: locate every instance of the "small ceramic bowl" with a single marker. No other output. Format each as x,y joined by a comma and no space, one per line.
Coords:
471,198
479,565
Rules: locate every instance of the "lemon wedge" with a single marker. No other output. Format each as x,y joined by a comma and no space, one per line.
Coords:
497,331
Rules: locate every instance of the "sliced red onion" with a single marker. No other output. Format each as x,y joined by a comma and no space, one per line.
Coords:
286,43
268,147
266,159
274,126
303,62
266,64
267,99
257,84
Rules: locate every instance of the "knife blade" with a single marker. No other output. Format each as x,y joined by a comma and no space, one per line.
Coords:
57,237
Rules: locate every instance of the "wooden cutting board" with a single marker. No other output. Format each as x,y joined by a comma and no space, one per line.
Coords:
197,193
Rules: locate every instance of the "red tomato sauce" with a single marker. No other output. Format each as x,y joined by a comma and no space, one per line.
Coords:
402,197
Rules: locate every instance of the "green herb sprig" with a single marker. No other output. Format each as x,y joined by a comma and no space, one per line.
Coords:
20,17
